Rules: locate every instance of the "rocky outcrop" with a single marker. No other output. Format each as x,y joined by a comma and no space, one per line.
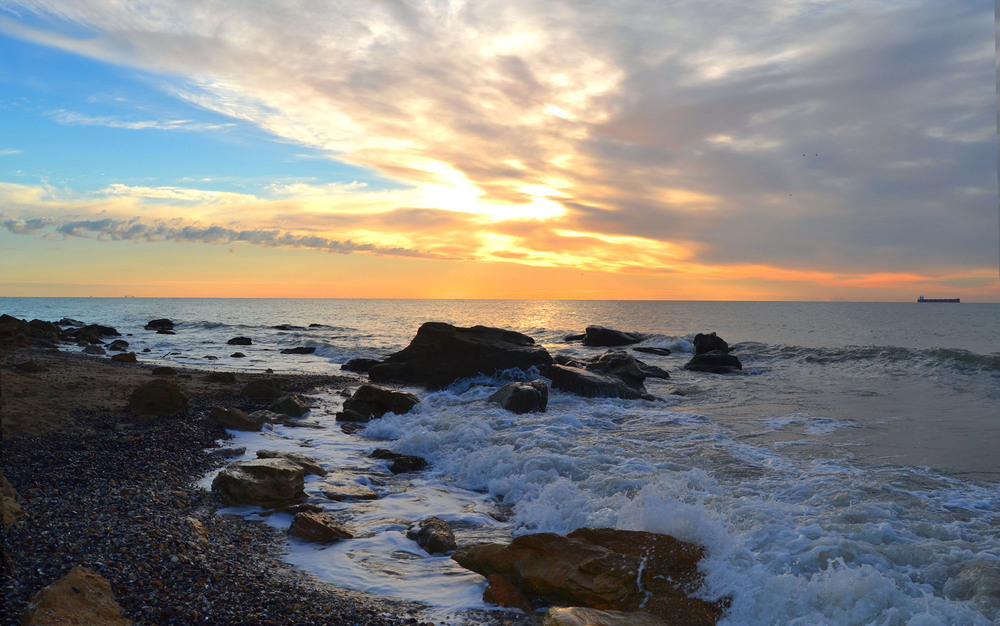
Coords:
601,336
441,353
521,397
360,365
716,362
156,398
309,464
372,401
80,598
234,419
292,405
160,324
318,527
240,341
590,384
601,568
263,482
400,462
709,343
433,534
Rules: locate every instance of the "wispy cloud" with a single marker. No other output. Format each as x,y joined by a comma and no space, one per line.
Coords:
71,118
841,136
10,151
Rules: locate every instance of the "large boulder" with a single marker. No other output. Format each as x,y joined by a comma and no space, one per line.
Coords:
599,336
319,527
519,397
156,398
373,401
291,405
263,482
621,365
602,568
591,384
433,534
80,598
716,362
441,353
709,343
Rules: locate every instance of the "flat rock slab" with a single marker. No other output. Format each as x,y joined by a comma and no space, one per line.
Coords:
263,482
341,486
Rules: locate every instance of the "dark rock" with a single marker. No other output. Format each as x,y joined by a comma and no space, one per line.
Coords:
299,350
264,388
591,384
360,366
97,329
94,349
157,397
210,357
433,534
578,337
522,397
234,419
125,357
263,482
309,464
287,327
601,336
602,568
118,345
717,362
652,350
400,462
709,343
237,355
240,341
146,350
441,353
291,405
621,365
226,377
562,359
164,331
652,371
68,321
350,428
229,451
372,401
160,324
164,371
318,527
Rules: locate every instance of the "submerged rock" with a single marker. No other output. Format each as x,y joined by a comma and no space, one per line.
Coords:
591,384
400,462
521,397
340,487
441,353
433,534
160,324
299,350
717,362
601,336
318,527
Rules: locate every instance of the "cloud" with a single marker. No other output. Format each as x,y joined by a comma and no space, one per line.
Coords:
79,119
10,151
829,136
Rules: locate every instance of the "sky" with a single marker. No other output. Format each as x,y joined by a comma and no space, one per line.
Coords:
687,150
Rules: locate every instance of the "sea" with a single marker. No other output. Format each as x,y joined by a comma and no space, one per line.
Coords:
849,475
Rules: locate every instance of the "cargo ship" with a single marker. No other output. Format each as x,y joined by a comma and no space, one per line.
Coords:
923,299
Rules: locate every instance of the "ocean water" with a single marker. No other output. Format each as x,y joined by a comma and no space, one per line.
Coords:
849,475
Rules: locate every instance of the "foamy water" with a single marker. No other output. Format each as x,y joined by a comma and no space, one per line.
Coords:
831,483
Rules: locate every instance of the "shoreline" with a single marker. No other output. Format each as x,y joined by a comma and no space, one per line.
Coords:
102,490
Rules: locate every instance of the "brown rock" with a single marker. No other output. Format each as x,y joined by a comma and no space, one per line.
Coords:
317,527
309,464
499,591
600,568
264,482
233,418
264,388
80,598
340,487
164,371
198,530
291,405
125,357
373,401
157,397
582,616
433,534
